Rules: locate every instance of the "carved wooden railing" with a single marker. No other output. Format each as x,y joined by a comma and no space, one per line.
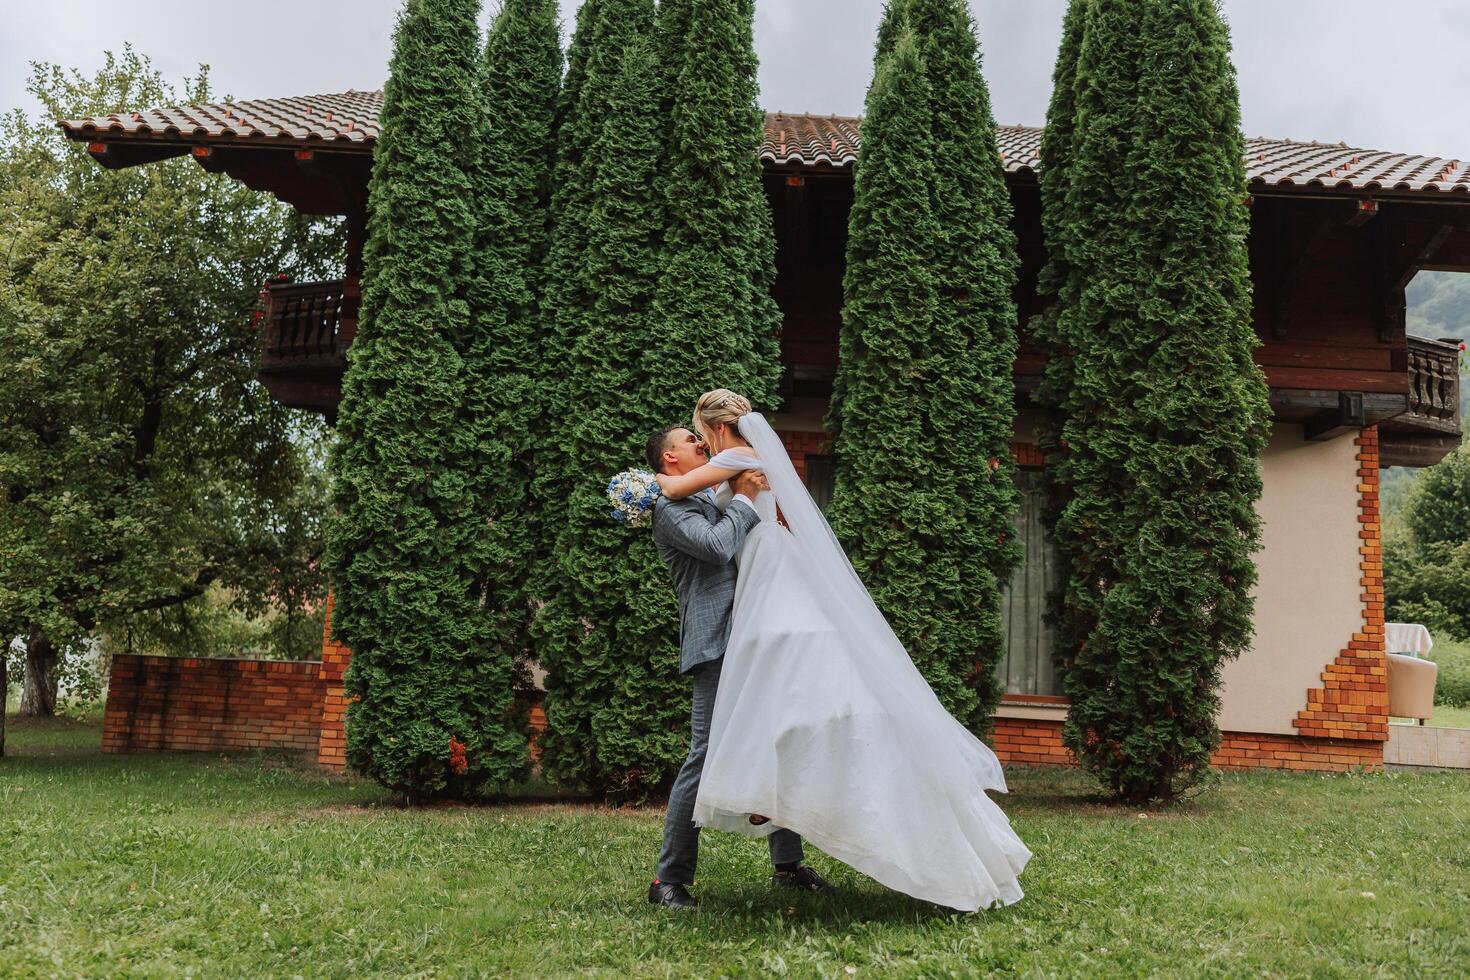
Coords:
1434,385
302,324
305,331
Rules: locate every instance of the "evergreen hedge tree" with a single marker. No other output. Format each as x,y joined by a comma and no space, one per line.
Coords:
617,707
714,293
403,604
1070,624
946,546
501,408
564,301
613,692
1165,413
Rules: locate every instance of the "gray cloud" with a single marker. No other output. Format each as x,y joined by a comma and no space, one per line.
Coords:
1356,71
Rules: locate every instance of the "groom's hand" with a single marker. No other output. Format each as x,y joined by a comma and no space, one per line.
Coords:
749,483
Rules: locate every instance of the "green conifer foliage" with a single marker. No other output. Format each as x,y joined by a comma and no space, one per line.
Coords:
714,293
403,602
564,299
925,498
617,708
502,405
1165,414
972,403
608,634
1070,625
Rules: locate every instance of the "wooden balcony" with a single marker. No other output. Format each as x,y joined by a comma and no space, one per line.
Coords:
304,337
307,328
1430,429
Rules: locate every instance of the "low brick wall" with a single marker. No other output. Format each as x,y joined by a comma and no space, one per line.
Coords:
173,704
1033,742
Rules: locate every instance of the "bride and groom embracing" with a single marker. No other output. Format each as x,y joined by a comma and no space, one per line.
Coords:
809,718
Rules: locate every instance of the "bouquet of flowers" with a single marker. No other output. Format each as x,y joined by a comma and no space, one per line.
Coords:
633,494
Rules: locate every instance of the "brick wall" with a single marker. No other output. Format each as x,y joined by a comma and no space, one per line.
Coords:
1033,742
189,704
800,444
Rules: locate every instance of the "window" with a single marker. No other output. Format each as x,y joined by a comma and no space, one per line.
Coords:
820,474
1027,667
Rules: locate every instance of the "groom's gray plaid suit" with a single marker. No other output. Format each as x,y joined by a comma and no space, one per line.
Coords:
698,543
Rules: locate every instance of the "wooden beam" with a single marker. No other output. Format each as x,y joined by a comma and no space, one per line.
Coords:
117,156
1301,404
1348,417
1414,449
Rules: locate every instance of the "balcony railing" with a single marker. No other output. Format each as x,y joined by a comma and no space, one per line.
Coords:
1434,384
1430,429
302,322
304,336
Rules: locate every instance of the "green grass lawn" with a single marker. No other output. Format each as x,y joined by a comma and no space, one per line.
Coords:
254,866
1445,717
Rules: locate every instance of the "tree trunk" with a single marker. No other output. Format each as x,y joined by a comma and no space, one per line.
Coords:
4,688
38,694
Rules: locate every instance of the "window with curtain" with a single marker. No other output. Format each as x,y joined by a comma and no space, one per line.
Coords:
1027,667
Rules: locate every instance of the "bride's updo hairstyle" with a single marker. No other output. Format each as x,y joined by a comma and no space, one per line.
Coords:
719,407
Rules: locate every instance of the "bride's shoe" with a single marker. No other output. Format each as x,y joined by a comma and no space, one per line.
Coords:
756,819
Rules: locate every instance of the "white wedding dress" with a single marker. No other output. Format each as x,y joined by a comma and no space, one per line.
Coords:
823,723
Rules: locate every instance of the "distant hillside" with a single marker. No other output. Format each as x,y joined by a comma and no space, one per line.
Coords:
1439,305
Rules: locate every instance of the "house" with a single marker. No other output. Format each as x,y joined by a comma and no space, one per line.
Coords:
1336,235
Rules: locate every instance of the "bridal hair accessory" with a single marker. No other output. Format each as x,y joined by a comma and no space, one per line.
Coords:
633,494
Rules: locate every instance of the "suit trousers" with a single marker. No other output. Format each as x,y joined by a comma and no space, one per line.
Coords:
680,852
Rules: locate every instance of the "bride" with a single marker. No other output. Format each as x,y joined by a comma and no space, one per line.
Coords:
822,724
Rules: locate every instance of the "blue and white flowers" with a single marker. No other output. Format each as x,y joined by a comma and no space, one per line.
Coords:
633,494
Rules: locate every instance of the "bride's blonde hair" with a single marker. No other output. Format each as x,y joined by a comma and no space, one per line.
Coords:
719,407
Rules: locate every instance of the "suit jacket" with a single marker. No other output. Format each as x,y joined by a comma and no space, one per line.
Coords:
698,543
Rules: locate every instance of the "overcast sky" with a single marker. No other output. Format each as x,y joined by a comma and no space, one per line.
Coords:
1388,76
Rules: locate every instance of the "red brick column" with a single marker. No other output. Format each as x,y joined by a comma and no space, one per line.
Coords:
332,743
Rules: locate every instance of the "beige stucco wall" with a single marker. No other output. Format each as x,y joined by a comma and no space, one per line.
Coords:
1307,594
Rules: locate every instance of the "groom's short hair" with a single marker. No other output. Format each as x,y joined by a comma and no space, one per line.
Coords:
657,443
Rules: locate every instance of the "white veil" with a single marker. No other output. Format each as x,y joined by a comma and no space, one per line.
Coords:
843,597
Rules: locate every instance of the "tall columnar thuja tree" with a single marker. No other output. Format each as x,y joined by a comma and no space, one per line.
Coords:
607,634
502,407
1070,623
714,293
927,355
1165,413
405,601
564,300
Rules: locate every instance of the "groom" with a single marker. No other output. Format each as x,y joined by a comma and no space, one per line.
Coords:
698,543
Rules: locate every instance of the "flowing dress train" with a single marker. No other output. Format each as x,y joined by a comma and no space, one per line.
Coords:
823,724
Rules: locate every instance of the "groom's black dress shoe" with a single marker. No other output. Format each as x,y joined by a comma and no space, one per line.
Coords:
671,895
803,879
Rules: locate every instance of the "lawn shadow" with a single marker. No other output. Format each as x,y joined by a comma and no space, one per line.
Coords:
751,906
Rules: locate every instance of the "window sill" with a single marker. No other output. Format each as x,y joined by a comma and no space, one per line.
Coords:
1037,710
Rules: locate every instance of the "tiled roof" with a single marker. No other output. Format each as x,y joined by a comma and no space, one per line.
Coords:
348,118
807,141
350,121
